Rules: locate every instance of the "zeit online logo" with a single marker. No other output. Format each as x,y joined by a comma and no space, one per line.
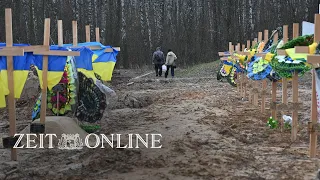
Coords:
74,141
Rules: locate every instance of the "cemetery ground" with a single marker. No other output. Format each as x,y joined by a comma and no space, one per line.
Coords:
208,132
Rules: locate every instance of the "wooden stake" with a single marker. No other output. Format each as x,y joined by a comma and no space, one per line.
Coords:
314,109
274,87
74,33
256,83
284,80
259,37
239,83
314,118
45,73
60,33
264,82
295,92
97,34
266,35
247,79
11,100
87,33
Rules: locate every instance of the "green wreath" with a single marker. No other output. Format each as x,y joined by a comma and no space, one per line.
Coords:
285,66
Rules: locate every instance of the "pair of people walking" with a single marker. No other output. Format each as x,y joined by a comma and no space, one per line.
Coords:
159,60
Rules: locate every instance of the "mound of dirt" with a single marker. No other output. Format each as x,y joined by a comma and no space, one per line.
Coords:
137,100
31,88
58,125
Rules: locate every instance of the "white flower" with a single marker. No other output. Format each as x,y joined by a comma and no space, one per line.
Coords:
296,61
281,58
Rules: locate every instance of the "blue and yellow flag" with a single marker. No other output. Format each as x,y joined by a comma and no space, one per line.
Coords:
84,61
103,62
21,66
56,66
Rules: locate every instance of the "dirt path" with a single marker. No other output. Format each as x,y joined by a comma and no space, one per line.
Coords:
207,133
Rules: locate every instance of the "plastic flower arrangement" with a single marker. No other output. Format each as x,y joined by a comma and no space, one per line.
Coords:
228,70
286,65
272,123
259,69
287,125
62,103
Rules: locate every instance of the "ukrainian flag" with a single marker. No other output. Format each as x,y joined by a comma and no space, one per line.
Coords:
84,61
56,66
21,66
103,62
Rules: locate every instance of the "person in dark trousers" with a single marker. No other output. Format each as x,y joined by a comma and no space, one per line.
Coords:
170,62
158,61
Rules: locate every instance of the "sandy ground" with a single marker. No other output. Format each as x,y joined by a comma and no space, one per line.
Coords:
208,132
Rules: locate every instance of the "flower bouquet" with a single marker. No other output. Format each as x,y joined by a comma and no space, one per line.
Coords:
272,123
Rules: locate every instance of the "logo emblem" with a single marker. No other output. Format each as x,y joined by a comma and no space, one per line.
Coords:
70,142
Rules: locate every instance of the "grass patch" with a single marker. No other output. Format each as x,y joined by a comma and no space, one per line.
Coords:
90,128
205,69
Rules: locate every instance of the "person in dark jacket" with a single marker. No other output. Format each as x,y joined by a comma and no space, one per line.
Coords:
158,61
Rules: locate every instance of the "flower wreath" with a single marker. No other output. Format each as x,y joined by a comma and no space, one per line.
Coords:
67,88
285,65
227,70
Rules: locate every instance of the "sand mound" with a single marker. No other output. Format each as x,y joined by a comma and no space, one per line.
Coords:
57,125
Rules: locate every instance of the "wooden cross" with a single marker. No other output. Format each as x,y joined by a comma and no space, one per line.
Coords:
88,33
295,93
254,42
97,34
273,105
256,83
46,54
264,82
226,54
248,80
284,80
245,79
9,51
313,125
239,74
315,60
88,38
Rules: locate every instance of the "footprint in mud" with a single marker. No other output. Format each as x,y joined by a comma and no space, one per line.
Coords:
226,132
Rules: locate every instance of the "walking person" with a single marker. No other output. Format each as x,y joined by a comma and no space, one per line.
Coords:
158,61
170,62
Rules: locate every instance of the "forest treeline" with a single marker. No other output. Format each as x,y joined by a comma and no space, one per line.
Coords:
194,29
